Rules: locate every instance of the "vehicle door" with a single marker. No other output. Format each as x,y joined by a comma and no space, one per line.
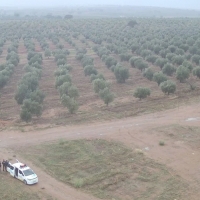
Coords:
21,175
11,169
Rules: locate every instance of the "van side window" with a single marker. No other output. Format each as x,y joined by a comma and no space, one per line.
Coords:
11,167
20,172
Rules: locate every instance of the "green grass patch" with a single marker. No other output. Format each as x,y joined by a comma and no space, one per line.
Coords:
107,170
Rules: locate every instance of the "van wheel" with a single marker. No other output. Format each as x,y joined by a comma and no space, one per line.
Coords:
25,182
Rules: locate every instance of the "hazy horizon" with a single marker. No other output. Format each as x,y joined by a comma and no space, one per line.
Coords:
181,4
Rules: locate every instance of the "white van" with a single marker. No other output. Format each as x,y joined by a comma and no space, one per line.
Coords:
22,172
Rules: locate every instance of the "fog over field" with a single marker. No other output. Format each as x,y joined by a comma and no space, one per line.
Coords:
183,4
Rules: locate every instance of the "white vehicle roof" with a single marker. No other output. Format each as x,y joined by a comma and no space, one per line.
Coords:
21,166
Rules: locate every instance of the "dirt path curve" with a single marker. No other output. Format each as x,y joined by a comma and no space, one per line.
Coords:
135,132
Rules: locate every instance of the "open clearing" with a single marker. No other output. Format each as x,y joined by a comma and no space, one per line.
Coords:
106,169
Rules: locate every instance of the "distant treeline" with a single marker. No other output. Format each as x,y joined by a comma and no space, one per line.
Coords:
98,12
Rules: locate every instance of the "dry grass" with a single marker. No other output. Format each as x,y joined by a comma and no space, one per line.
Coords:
188,134
12,189
107,170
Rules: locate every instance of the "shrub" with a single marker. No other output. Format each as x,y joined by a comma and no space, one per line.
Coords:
162,143
142,93
168,87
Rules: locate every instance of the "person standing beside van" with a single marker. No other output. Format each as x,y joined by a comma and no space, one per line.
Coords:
4,164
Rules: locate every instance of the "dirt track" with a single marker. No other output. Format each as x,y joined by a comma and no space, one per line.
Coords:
135,132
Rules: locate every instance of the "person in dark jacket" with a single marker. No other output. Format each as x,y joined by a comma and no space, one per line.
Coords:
4,164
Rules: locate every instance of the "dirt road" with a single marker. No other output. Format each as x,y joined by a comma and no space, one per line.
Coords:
138,132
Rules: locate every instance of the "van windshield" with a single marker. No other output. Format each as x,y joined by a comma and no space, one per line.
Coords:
28,172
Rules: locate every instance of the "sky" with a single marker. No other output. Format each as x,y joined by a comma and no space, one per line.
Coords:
183,4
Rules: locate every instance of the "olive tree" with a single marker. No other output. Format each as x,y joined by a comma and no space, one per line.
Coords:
159,77
89,69
168,69
168,87
182,73
71,103
110,61
148,73
161,62
196,71
121,74
47,53
99,84
142,93
32,107
106,95
25,115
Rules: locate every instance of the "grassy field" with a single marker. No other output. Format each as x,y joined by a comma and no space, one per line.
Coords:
108,170
12,189
188,134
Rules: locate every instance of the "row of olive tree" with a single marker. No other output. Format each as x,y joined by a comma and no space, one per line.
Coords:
121,73
28,95
7,69
68,92
100,85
